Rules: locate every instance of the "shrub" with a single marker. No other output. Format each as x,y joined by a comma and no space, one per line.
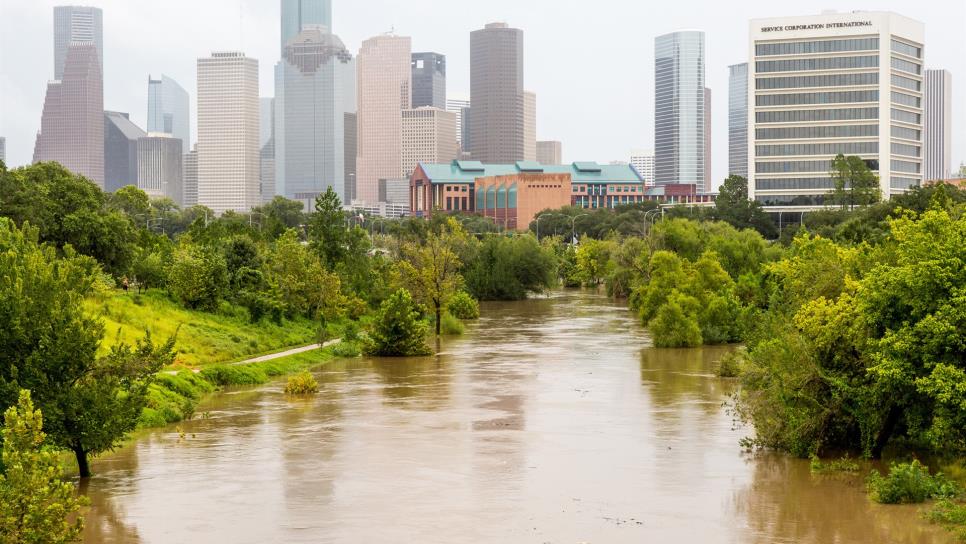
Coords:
845,464
347,350
908,483
951,515
730,365
303,383
222,375
675,326
350,333
463,306
452,326
399,330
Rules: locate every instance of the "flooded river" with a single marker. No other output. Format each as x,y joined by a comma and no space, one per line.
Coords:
550,421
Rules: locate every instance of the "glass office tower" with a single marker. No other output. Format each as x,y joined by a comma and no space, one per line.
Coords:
297,14
679,112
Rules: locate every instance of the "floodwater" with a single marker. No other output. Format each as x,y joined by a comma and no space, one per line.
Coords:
550,421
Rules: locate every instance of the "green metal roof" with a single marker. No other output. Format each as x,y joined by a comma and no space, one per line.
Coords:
580,172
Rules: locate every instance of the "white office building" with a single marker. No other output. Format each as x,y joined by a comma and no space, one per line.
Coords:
938,125
643,162
428,135
849,83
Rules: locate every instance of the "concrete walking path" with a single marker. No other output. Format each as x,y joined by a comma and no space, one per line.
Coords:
273,356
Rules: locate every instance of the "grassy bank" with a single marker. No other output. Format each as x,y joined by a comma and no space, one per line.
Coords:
203,338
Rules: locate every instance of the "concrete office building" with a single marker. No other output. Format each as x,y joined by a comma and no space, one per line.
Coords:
849,83
937,125
384,91
350,140
529,126
161,166
550,152
228,154
497,116
315,91
72,123
460,105
643,162
296,15
429,80
738,120
76,25
679,109
708,184
189,179
428,135
3,149
266,148
169,109
120,151
394,191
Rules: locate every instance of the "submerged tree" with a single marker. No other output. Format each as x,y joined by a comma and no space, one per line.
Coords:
399,329
431,270
35,504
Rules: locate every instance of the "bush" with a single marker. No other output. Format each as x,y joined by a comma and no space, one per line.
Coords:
951,515
463,306
731,364
845,464
347,350
674,326
399,330
350,333
451,326
909,483
302,383
223,375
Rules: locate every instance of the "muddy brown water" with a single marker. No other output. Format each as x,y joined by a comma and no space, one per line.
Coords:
550,421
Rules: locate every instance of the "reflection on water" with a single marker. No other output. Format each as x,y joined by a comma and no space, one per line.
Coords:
550,421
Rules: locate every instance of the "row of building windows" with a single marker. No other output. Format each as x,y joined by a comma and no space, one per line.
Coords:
903,183
824,80
799,116
906,82
906,49
906,99
847,148
594,202
803,166
791,200
823,46
906,66
793,183
800,65
604,189
906,116
795,99
906,133
906,166
799,133
906,149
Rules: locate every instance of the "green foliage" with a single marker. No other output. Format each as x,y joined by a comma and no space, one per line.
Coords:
399,329
347,349
197,277
510,269
675,324
731,365
328,229
908,483
734,207
855,183
842,465
303,285
463,306
431,270
148,270
951,515
452,326
303,383
36,506
593,261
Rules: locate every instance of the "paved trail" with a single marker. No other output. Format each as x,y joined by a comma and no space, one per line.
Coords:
273,356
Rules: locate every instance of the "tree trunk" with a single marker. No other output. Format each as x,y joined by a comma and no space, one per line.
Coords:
885,433
439,320
82,466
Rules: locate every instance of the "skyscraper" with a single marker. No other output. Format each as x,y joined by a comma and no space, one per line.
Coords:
529,126
384,90
821,85
707,141
161,167
189,178
429,135
549,152
120,151
679,112
351,146
266,146
643,162
169,110
3,149
937,125
298,14
228,158
497,125
460,105
72,123
738,120
429,80
76,25
317,89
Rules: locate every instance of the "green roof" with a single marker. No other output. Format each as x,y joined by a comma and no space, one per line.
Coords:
580,172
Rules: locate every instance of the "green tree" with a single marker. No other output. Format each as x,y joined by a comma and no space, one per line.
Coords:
304,286
133,202
399,329
676,325
734,207
36,506
593,261
148,269
328,229
855,184
431,270
197,276
510,268
279,215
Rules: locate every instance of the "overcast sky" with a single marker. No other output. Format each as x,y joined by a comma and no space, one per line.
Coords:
590,63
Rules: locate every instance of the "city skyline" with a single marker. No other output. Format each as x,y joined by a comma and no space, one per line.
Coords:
625,110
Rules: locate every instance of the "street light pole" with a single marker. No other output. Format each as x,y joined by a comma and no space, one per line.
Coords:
573,227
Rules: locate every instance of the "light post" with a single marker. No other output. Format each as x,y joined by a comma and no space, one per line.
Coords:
539,217
655,211
251,215
573,227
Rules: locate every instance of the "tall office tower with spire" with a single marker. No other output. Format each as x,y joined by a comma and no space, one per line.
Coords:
76,24
228,158
429,80
298,14
384,90
169,111
497,112
679,108
317,89
738,120
937,125
72,123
